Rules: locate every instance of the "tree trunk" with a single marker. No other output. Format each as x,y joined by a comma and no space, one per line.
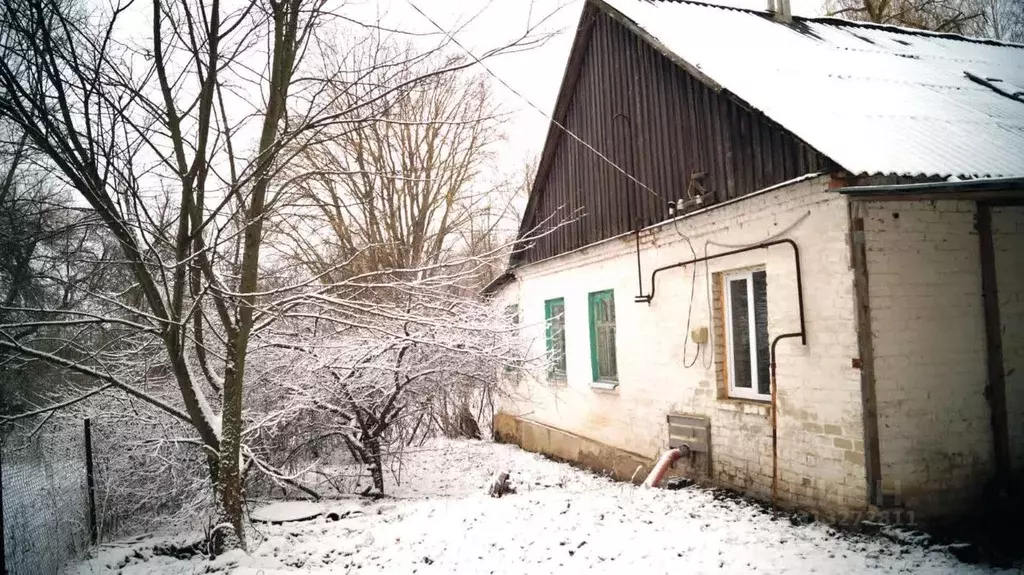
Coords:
230,489
375,463
228,534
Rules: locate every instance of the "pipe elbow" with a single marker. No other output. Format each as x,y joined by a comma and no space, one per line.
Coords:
664,462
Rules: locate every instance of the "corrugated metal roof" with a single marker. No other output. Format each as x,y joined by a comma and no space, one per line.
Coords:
876,100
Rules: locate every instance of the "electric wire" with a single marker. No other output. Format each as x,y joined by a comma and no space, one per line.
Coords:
702,348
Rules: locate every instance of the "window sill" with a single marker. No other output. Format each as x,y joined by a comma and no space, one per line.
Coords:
604,385
745,405
759,401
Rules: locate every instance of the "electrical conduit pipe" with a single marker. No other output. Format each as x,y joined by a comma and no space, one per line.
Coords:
775,412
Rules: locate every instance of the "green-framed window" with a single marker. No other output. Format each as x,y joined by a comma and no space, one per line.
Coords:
554,316
602,336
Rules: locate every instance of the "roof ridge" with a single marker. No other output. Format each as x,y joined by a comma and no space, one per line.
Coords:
853,23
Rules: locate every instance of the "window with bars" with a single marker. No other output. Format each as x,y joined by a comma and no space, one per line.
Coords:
746,321
554,316
602,336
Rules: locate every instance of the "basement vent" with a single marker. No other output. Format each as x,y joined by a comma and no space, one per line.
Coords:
690,430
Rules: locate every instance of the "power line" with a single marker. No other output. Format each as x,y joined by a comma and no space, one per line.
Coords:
605,158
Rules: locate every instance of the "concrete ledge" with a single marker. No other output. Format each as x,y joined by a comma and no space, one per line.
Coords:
571,448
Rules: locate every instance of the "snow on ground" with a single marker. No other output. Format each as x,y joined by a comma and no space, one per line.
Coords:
561,520
282,511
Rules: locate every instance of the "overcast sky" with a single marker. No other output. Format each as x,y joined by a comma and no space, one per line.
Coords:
535,74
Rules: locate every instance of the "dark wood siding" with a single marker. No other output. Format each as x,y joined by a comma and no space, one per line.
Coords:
660,124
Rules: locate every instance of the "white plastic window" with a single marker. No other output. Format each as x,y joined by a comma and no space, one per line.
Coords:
746,320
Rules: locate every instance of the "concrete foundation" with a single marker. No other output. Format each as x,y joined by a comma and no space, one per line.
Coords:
580,451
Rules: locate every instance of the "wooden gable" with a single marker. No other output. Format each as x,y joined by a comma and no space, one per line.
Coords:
658,120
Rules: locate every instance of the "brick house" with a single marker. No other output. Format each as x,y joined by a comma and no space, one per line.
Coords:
737,191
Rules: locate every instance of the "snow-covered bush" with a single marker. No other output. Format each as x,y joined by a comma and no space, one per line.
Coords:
376,375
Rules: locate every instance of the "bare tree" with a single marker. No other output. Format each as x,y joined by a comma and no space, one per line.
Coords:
403,187
1005,19
75,95
176,138
394,218
50,259
966,17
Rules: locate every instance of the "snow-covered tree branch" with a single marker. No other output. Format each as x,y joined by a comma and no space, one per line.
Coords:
187,140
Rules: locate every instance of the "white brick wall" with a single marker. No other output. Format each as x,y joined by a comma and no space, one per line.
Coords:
929,345
1008,241
821,452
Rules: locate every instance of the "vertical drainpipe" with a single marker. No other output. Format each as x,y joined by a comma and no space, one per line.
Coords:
995,391
775,404
866,361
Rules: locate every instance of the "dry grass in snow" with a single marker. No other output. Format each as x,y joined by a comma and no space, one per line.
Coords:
561,520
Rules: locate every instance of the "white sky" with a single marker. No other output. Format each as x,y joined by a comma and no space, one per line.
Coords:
535,74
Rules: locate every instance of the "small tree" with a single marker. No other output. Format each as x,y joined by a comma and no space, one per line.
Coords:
383,373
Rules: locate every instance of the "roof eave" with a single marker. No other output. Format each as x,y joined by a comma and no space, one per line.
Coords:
506,277
983,189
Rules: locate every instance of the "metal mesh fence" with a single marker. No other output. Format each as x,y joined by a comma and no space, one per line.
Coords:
146,473
45,500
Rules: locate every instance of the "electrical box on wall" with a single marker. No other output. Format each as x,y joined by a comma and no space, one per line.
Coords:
699,335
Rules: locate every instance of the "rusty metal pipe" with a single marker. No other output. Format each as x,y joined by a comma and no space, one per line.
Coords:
667,459
775,410
796,260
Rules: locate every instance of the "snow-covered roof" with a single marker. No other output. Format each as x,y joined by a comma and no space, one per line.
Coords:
875,99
